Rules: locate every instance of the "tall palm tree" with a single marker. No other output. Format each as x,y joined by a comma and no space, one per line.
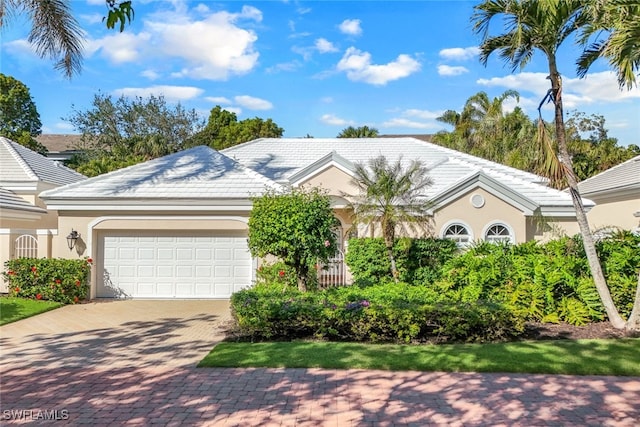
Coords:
391,195
620,19
54,33
543,25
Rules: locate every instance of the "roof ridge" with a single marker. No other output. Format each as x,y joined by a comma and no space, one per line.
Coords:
607,171
18,157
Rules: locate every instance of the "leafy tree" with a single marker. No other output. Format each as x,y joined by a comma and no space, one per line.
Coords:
55,33
223,130
544,26
127,131
19,117
359,132
297,227
391,195
620,21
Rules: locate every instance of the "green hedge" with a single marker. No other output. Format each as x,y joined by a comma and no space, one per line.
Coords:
383,313
61,280
546,282
418,260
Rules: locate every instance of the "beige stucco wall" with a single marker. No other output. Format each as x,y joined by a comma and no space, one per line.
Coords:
494,211
616,212
334,180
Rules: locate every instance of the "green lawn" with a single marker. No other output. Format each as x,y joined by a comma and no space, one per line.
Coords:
12,309
582,357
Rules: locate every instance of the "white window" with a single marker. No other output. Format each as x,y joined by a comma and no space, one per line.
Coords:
498,233
459,233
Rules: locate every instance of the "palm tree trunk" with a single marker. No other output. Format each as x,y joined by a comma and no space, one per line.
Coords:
587,239
633,323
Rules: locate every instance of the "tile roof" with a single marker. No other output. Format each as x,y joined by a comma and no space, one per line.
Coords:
196,173
18,164
626,175
280,159
10,200
59,142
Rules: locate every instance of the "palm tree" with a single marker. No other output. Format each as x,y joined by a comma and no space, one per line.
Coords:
620,19
393,196
359,132
543,26
55,33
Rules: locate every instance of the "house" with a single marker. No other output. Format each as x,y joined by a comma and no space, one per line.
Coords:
616,193
176,226
27,227
60,147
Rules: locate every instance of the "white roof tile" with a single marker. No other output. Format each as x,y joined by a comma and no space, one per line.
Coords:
18,164
626,175
10,200
197,173
279,159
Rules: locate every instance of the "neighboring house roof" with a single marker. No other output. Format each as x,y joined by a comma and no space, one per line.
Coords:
286,160
623,177
56,143
198,176
10,200
22,168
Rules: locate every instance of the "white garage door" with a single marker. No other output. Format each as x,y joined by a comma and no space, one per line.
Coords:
166,266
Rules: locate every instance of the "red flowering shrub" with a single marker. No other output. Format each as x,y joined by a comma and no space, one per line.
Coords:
61,280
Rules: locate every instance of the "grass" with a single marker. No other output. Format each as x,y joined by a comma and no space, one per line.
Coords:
581,357
12,309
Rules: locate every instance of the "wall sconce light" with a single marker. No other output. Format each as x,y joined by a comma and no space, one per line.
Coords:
72,238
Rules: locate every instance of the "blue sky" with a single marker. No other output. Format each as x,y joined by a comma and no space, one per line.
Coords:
313,67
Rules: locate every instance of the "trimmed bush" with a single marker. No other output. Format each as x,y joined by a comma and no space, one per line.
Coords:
383,313
61,280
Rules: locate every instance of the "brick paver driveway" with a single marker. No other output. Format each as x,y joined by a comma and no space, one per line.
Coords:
132,363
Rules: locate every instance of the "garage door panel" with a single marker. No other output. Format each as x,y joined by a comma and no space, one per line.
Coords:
174,266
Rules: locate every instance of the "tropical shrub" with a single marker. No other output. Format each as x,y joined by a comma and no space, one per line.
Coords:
418,261
545,282
297,227
389,312
61,280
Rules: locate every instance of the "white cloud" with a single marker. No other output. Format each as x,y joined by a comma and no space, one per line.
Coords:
170,93
285,66
594,89
422,114
357,65
325,46
119,47
447,70
333,120
351,27
214,47
405,123
150,74
217,99
253,103
459,53
95,2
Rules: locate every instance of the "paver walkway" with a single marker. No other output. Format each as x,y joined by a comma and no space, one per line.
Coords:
132,363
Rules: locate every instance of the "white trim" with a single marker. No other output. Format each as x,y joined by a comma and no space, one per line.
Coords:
170,206
320,170
5,231
47,232
505,224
